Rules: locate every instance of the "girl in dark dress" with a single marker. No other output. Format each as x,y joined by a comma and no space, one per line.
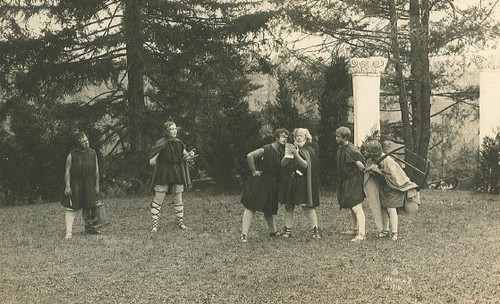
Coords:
81,178
170,174
261,189
350,192
299,184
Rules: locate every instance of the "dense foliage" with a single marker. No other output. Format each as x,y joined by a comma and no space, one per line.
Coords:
489,164
119,70
334,109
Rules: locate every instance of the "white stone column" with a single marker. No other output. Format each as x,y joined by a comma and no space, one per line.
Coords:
366,95
489,96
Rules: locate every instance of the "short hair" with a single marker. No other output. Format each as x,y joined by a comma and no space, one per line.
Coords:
278,132
303,131
344,132
78,134
168,124
373,147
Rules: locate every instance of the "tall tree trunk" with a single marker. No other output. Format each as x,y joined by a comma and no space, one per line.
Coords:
400,78
420,83
135,73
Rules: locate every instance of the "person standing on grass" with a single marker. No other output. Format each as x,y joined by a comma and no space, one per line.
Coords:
170,174
261,189
81,179
371,189
299,183
350,192
395,188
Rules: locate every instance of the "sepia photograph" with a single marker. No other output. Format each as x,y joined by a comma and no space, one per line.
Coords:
249,151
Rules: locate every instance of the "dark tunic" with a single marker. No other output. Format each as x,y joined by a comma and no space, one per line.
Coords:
169,163
261,192
391,198
350,179
294,189
82,180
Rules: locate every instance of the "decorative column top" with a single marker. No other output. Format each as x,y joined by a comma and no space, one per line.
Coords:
487,62
372,66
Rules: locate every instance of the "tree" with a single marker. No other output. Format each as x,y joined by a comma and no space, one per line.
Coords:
121,68
334,110
408,34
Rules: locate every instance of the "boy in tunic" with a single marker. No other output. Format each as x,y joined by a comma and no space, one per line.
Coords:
170,174
350,192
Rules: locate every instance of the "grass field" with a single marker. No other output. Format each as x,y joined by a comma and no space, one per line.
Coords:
447,253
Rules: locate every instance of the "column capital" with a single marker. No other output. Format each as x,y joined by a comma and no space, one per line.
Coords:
372,66
487,62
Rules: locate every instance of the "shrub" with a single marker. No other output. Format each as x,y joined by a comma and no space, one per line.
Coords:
488,164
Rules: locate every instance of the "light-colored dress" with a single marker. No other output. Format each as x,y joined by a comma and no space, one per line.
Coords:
397,184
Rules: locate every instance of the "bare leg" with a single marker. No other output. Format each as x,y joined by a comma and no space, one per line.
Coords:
313,221
393,218
179,210
271,223
288,220
360,217
69,218
246,221
155,209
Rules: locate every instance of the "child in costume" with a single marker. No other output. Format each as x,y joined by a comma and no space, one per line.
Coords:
170,174
261,189
81,179
299,184
350,192
395,188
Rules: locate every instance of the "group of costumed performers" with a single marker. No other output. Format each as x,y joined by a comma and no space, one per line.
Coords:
281,173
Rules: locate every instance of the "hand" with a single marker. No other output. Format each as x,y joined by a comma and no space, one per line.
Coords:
97,189
190,155
67,190
256,173
292,149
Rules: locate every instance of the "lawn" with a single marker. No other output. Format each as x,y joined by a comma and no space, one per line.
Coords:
448,252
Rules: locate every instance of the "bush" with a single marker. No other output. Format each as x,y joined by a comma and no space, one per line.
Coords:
488,164
464,166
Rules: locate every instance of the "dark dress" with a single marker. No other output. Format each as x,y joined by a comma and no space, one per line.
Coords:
82,180
294,189
350,179
261,192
